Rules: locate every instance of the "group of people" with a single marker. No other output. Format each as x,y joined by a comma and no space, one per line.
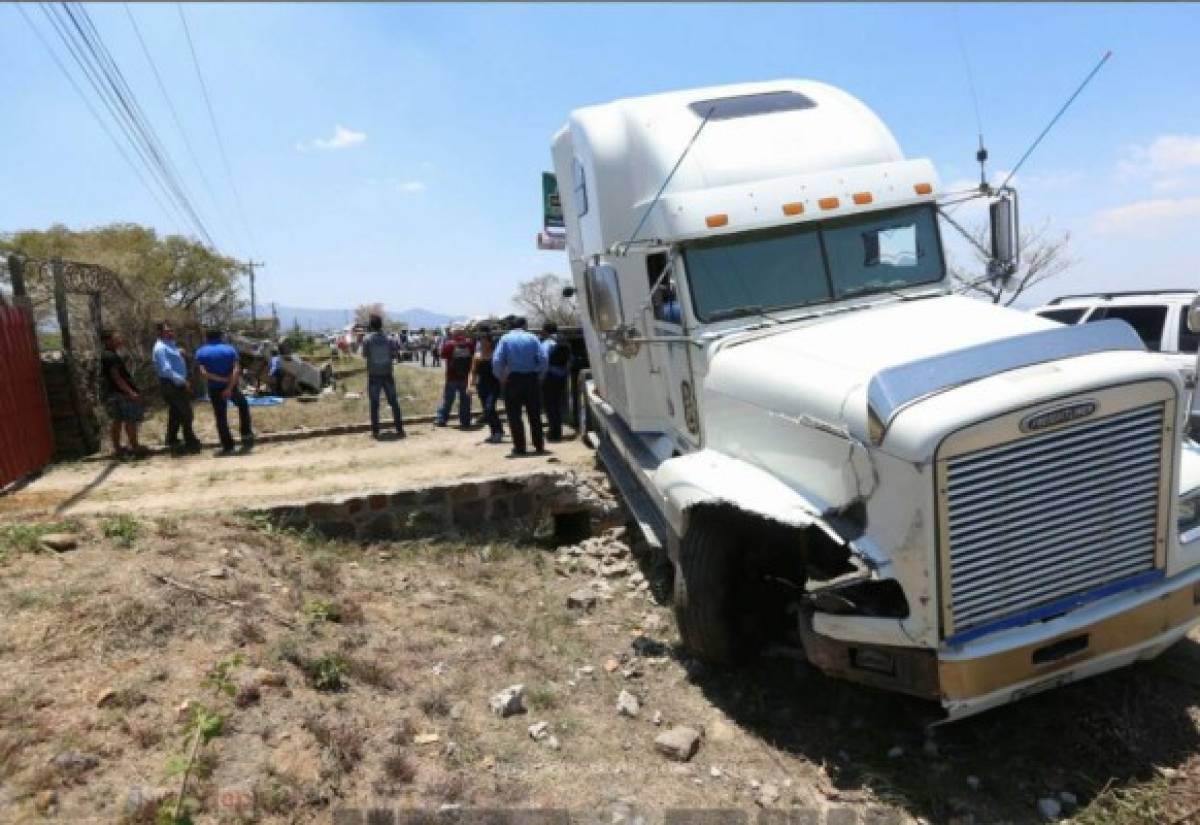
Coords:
219,367
529,372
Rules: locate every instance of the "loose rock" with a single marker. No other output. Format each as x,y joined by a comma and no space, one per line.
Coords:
75,761
539,731
45,801
679,743
628,705
509,701
425,738
581,600
1049,808
59,542
497,641
768,795
657,718
216,573
553,744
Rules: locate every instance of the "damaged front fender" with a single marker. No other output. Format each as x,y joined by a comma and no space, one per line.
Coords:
708,477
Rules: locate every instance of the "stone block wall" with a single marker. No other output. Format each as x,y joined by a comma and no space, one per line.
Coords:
467,505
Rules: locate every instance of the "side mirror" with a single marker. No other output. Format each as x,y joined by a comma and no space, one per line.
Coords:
604,297
1193,316
1005,249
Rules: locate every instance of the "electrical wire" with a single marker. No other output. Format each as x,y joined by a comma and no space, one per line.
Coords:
212,118
96,115
162,87
135,114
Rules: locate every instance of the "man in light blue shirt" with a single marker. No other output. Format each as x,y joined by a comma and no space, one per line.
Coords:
172,373
519,363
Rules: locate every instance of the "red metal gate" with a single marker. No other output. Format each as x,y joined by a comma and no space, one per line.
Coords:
26,442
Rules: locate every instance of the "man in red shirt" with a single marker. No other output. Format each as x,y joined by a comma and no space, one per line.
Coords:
457,352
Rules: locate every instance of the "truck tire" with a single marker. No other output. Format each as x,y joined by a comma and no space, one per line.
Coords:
704,594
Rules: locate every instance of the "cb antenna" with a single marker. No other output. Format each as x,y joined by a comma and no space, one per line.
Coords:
981,156
1057,115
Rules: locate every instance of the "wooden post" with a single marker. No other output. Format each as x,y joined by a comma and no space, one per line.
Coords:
73,377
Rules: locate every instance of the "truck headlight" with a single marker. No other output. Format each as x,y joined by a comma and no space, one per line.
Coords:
1189,519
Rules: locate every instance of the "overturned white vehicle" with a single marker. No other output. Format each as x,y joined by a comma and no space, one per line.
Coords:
937,496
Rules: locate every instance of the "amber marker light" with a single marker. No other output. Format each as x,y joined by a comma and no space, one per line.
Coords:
715,221
794,208
829,203
923,188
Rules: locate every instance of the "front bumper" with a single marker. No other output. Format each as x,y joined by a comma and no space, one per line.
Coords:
1020,662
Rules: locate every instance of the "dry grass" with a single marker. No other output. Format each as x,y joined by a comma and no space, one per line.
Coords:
415,660
419,392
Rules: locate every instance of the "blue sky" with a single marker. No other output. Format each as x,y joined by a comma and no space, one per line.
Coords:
392,152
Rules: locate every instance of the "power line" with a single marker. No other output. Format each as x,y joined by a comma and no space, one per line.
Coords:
132,111
162,87
89,73
95,114
77,33
212,118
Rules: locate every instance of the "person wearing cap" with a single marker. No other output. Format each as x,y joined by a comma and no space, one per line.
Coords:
519,363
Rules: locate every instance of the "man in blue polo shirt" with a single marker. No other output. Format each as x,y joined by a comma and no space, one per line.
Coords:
221,367
519,363
176,390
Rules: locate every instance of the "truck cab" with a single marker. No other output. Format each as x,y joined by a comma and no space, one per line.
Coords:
930,494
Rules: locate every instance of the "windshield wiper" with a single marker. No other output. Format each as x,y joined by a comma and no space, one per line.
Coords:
875,288
741,312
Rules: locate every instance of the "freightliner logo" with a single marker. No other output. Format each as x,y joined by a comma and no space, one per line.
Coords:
1058,415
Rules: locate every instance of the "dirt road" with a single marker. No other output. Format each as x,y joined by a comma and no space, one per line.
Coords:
274,473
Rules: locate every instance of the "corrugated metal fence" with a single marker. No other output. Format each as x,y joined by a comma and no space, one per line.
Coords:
26,443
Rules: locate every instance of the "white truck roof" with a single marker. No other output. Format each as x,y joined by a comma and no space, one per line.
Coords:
1180,296
766,144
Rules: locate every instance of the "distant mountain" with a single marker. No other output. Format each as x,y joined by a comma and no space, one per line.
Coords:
321,320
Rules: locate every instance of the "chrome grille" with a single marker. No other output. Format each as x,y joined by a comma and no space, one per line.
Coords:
1052,515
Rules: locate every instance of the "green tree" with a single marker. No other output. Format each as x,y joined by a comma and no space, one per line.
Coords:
170,275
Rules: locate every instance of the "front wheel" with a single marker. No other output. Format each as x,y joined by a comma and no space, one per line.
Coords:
704,591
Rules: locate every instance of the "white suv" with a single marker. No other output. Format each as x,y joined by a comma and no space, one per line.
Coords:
1158,317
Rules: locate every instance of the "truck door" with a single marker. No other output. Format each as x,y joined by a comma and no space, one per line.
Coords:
672,360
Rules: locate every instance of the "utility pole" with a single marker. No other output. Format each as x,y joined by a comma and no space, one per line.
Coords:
253,309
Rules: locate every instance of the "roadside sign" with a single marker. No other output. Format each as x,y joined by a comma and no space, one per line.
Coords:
551,241
552,214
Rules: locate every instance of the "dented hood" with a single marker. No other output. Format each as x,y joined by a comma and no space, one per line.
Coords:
821,370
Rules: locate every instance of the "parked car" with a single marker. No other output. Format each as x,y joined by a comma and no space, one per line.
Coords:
1159,318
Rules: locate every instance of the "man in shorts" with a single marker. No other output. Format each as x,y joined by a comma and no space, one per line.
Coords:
122,400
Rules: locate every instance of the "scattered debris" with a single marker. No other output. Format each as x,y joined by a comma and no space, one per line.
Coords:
657,718
216,573
497,641
426,738
509,701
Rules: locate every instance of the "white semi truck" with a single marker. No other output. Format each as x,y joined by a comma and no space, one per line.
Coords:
935,495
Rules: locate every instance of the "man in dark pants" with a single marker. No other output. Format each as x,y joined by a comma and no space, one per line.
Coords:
172,372
519,362
554,382
222,369
377,350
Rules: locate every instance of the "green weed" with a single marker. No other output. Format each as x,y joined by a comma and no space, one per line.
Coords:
124,529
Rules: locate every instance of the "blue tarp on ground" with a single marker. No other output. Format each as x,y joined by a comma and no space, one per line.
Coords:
264,400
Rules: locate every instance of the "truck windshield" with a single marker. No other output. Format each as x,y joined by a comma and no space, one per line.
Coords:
782,268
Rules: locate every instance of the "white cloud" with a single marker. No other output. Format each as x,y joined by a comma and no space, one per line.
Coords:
1148,215
343,138
411,186
1167,163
